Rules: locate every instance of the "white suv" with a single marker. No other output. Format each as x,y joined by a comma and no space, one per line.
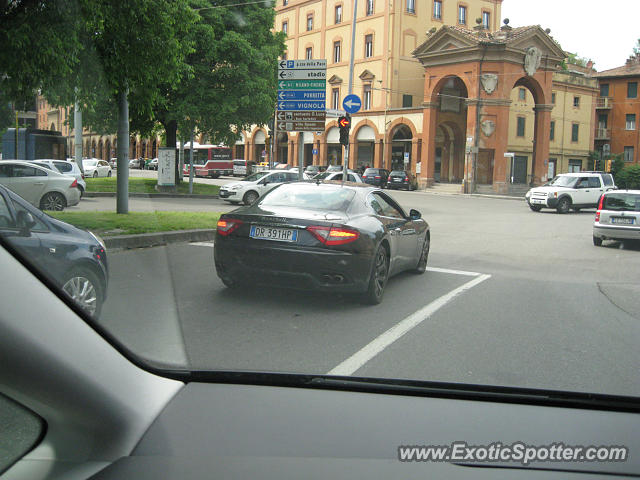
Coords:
570,191
250,188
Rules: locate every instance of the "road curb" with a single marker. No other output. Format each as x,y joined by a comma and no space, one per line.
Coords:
149,195
145,240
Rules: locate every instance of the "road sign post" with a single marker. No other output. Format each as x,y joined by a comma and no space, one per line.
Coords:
302,90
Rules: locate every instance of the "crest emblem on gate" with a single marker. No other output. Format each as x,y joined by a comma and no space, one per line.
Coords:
488,127
532,60
489,82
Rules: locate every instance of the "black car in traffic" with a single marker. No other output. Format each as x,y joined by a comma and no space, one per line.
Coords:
74,260
324,236
400,179
376,176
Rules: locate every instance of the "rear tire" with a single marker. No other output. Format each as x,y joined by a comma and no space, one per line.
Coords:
378,278
424,256
563,205
53,201
597,241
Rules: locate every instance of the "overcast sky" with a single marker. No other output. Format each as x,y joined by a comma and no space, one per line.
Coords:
603,30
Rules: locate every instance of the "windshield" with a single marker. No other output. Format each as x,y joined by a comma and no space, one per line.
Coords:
308,196
466,272
622,202
255,176
564,181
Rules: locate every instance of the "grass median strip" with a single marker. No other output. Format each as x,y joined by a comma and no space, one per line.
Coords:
146,185
111,223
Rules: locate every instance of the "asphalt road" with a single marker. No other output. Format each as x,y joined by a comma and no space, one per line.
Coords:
544,308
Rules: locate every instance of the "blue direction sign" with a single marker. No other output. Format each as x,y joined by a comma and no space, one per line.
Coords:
302,105
302,84
301,94
351,103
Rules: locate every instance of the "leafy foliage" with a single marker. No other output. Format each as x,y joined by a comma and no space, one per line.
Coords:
231,84
628,177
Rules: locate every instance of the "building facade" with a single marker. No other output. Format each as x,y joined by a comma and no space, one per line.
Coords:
387,76
93,145
420,69
618,111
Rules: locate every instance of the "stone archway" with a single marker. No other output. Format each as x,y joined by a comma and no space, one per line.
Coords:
484,67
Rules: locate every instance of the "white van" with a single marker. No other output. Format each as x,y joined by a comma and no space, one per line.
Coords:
241,168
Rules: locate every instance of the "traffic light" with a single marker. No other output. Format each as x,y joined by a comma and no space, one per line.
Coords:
344,123
608,166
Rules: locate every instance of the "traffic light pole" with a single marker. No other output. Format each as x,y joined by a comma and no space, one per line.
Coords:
345,163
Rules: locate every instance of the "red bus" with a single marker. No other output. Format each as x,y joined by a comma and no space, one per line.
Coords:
208,160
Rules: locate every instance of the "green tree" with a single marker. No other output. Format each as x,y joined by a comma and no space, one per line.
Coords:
574,59
231,83
628,177
38,45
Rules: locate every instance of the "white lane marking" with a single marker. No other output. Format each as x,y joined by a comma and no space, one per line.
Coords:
202,244
454,272
358,359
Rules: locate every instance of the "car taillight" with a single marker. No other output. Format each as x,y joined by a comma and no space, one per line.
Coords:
334,235
82,175
74,184
364,176
227,225
600,205
377,176
406,179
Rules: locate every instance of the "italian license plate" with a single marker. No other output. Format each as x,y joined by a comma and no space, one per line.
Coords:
396,179
538,201
269,233
622,220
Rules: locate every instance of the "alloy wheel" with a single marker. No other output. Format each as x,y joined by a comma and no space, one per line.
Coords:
83,292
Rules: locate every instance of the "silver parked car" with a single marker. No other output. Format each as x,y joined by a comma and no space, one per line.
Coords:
66,168
617,217
40,186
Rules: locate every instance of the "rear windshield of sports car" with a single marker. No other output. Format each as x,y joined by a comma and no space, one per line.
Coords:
309,196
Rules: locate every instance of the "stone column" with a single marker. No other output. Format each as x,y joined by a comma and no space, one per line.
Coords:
541,142
427,160
377,153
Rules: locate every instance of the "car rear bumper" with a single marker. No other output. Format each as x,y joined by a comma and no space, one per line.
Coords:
616,232
73,197
289,266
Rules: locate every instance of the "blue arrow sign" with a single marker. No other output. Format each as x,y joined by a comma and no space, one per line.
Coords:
302,105
301,94
351,103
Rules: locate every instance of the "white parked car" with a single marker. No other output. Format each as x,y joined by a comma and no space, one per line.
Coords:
250,188
327,176
94,167
40,186
66,168
570,191
153,164
617,217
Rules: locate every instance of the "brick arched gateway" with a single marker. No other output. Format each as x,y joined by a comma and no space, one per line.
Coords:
469,75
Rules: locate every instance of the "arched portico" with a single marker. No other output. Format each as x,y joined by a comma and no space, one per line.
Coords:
469,76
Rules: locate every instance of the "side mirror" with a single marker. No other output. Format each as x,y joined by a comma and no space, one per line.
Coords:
25,222
415,214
